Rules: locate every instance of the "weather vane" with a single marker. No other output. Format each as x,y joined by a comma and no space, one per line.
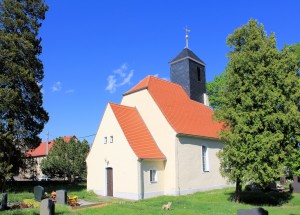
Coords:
187,37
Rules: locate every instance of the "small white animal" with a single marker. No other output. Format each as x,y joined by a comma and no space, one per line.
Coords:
167,207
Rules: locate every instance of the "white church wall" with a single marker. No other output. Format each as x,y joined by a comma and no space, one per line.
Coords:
154,187
163,134
192,176
117,155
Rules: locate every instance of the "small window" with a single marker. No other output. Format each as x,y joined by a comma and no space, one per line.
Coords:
205,159
153,176
199,74
111,139
105,140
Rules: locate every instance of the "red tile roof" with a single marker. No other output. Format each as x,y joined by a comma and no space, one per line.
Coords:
41,149
136,132
183,114
143,84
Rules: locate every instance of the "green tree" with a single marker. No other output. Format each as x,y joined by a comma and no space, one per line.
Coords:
293,166
213,88
21,74
66,159
295,48
259,107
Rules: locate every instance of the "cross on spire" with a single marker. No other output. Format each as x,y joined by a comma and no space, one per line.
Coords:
186,37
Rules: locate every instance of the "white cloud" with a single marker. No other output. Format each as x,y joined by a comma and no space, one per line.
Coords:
121,70
57,86
157,75
111,86
120,77
70,91
127,79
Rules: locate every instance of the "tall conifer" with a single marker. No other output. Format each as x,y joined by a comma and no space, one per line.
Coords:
259,105
21,73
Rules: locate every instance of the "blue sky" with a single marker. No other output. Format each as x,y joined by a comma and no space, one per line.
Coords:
94,51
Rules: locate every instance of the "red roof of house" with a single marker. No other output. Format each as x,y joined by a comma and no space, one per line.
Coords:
136,132
183,114
41,149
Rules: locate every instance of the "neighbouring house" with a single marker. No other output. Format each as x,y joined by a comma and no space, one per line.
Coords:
34,158
161,139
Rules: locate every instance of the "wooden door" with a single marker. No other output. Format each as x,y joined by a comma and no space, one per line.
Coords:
109,181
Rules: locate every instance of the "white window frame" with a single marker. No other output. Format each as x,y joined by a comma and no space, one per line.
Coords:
105,140
111,139
153,175
205,159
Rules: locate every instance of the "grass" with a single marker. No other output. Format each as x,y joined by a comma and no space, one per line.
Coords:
210,202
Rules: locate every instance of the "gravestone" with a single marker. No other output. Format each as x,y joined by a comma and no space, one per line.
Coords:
296,184
282,180
61,197
272,185
3,203
254,211
39,193
47,207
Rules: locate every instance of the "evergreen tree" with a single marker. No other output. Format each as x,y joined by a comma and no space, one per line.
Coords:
213,88
21,74
293,166
66,159
259,108
295,48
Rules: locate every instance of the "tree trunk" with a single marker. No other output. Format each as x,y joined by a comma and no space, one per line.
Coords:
69,178
2,185
238,190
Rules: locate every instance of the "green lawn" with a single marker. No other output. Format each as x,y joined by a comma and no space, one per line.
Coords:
210,202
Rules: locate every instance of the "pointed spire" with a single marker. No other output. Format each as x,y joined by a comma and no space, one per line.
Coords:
187,37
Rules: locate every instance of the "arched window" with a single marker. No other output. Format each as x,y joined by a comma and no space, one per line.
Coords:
205,162
199,74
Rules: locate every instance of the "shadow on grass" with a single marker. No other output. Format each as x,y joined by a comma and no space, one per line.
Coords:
263,198
27,186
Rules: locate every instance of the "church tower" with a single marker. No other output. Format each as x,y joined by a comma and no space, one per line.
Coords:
188,70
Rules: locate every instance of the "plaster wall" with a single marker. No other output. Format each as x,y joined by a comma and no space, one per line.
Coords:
163,134
152,189
117,155
192,178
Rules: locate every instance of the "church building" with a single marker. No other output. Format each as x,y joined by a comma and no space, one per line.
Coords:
161,139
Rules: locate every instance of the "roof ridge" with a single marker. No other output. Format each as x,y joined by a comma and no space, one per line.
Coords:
139,86
164,80
149,78
122,106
